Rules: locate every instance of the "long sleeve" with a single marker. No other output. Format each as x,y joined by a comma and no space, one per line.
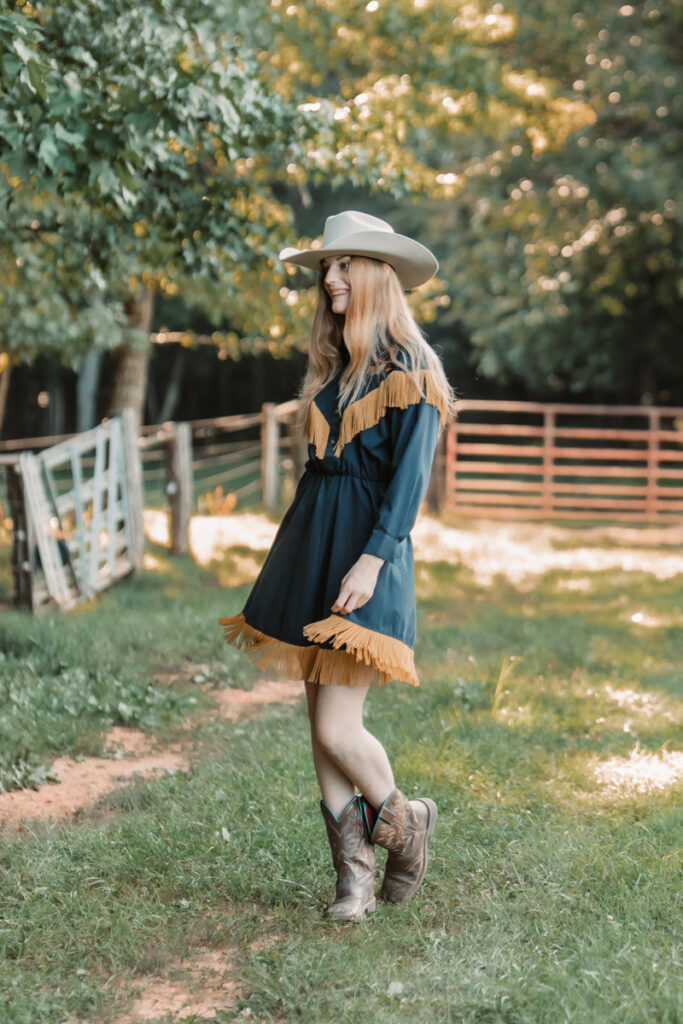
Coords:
415,434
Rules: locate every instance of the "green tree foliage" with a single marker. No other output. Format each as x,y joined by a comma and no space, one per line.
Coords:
166,145
573,269
146,145
425,93
129,133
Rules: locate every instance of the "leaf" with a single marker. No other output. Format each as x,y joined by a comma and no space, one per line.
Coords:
48,152
22,50
35,74
102,173
10,66
79,53
72,138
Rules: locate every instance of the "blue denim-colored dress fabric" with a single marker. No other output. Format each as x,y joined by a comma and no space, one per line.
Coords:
361,489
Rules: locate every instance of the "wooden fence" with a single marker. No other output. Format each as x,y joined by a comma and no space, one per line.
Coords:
580,462
76,506
77,515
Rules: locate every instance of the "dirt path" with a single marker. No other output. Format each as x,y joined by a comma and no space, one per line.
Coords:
132,754
205,983
199,987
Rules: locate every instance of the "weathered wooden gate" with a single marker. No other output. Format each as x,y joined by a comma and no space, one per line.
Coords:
78,514
530,460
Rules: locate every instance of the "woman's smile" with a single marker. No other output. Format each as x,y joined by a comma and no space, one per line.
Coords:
337,283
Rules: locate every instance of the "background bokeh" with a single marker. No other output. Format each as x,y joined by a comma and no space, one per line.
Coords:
156,157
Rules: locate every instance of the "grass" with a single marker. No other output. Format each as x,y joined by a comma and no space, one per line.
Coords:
550,898
63,679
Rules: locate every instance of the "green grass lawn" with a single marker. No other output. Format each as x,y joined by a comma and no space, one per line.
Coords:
554,892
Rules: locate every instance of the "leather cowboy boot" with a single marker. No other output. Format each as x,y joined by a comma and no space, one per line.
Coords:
403,827
354,861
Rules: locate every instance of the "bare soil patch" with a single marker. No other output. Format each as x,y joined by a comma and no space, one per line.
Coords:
85,781
133,754
235,704
199,987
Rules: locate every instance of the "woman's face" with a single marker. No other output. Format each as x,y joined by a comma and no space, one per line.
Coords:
336,282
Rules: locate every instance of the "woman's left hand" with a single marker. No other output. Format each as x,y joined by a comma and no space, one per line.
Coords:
358,585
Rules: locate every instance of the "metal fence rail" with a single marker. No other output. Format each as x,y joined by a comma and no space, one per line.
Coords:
532,460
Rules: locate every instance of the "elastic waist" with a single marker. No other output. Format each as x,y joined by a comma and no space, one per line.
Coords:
327,467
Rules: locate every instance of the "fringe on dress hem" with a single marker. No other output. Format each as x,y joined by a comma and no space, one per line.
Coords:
369,658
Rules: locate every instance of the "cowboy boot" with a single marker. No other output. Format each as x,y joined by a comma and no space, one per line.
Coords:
403,827
354,861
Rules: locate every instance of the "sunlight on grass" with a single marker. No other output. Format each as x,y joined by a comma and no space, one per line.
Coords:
150,563
235,569
576,583
651,621
646,704
521,552
640,772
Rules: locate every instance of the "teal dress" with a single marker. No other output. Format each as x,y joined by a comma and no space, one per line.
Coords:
368,469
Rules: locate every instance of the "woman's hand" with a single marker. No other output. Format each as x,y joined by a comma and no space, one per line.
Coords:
358,585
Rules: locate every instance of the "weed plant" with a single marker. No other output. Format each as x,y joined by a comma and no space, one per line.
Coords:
552,896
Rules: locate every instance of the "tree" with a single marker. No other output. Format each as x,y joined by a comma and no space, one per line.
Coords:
167,154
572,278
129,134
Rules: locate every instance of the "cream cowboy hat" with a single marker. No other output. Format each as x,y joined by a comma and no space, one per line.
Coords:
360,234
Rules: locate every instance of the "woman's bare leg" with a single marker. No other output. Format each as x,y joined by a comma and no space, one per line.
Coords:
335,787
345,754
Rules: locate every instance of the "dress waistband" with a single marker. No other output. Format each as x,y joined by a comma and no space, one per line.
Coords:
336,467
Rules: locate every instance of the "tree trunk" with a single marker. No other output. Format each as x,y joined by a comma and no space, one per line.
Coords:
5,370
130,373
86,391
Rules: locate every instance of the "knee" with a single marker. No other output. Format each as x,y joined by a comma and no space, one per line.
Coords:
335,738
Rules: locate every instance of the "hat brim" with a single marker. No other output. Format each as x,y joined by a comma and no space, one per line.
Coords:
414,263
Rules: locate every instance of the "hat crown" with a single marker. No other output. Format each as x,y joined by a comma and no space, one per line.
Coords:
353,233
348,223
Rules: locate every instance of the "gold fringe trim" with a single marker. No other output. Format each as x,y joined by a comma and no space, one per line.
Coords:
397,390
317,430
311,663
391,657
340,668
265,652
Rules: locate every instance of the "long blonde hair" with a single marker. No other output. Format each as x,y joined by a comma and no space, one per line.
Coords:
379,331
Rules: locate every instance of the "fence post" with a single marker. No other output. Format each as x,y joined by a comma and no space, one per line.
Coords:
435,487
134,492
652,464
178,452
22,542
548,459
451,451
270,443
298,443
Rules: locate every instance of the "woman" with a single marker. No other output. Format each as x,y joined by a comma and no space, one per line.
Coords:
334,603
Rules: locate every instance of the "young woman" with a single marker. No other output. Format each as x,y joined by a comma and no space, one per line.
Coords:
334,603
